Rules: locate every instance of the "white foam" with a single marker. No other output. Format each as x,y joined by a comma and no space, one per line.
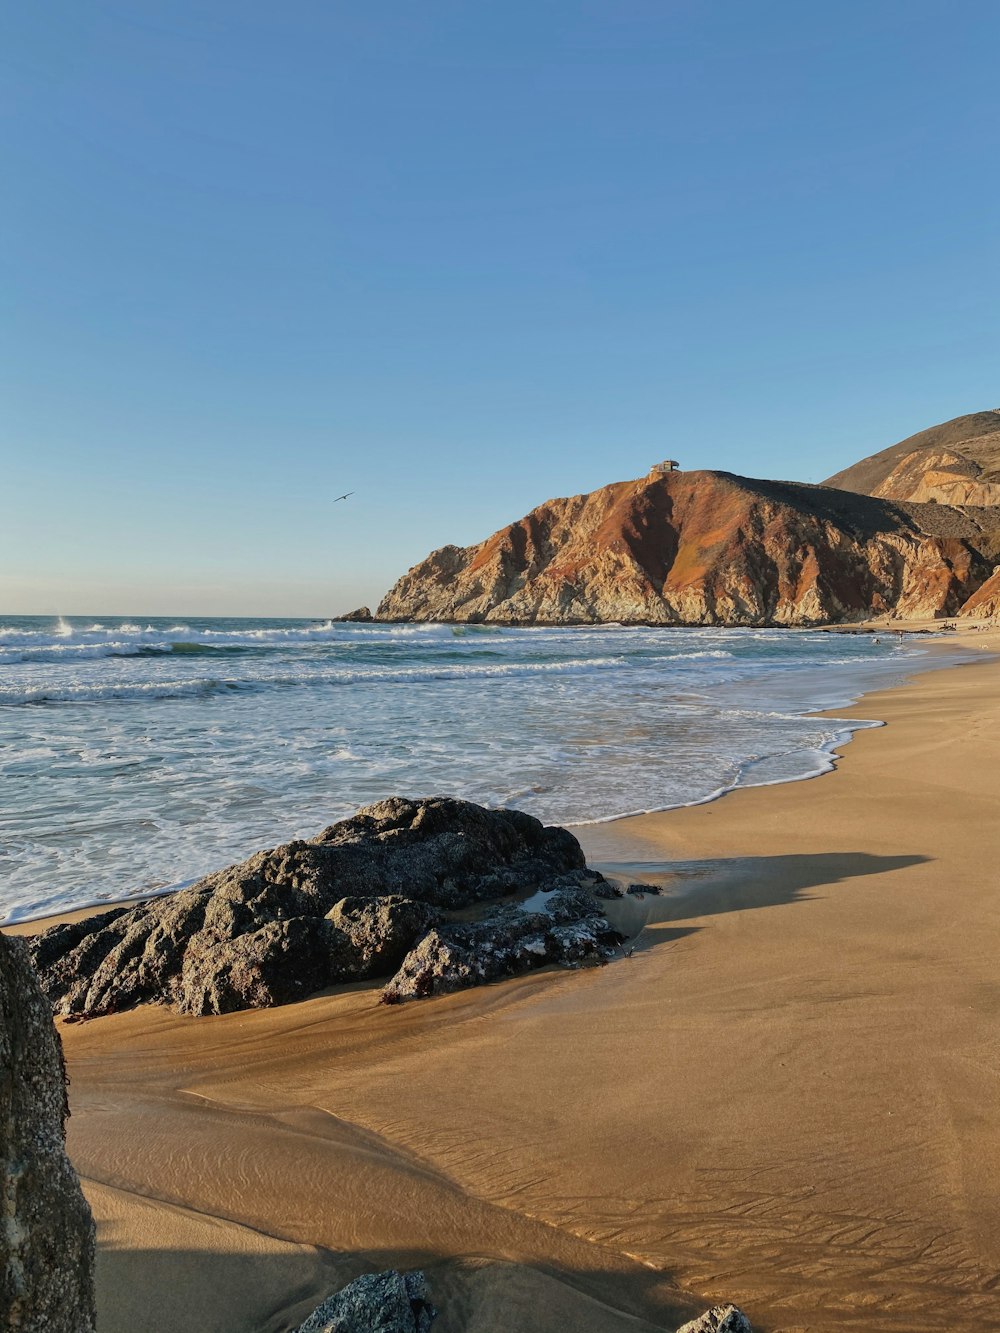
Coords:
200,742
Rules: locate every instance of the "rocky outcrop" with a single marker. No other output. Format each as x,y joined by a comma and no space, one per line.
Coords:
568,929
956,463
720,1319
353,903
46,1230
984,604
704,548
387,1302
362,614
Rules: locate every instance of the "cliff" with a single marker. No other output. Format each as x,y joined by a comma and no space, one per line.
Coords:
956,463
985,603
707,548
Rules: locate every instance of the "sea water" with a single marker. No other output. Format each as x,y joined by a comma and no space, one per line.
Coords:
136,755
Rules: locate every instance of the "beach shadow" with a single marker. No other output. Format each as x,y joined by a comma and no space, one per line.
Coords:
739,884
161,1290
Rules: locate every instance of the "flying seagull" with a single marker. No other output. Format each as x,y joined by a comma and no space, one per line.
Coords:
344,497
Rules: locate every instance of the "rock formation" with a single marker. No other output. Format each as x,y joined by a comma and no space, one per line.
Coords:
569,929
368,896
706,548
720,1319
387,1302
956,463
46,1230
984,604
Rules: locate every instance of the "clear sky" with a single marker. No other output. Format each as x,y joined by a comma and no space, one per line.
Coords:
458,257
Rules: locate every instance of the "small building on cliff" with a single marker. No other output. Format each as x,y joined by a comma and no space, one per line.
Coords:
661,469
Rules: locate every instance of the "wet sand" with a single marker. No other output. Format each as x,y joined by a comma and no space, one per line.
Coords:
788,1097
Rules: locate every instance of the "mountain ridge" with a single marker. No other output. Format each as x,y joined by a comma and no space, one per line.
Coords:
955,462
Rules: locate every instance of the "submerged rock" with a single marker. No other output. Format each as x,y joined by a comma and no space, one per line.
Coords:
351,904
720,1319
46,1230
387,1302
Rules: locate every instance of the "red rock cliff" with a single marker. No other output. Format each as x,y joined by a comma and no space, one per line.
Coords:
703,548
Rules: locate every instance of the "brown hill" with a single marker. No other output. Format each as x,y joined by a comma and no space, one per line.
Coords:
956,463
706,548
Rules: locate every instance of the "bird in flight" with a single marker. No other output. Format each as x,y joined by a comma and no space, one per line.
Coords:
344,497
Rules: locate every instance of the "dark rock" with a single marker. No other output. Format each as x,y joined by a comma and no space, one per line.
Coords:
388,1302
609,890
381,931
46,1230
258,934
281,962
505,943
362,614
720,1319
640,890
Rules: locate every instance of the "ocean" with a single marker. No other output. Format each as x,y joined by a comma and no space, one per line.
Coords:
136,755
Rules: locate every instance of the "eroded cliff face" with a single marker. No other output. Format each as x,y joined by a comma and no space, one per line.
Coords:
939,476
701,548
955,463
984,604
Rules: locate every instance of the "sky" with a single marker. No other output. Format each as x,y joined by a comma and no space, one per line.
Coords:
459,257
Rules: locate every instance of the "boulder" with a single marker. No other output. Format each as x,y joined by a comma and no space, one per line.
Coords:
720,1319
504,943
387,1302
348,904
46,1230
382,930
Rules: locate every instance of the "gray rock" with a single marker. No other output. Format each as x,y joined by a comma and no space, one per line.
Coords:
640,890
387,1302
46,1230
506,942
720,1319
258,934
381,931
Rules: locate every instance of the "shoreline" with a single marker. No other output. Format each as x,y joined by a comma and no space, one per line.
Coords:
940,644
783,1099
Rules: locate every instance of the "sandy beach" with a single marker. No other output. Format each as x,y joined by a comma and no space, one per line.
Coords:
787,1097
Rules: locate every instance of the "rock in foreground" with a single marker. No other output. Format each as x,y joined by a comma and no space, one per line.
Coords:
46,1230
387,1302
510,940
368,896
720,1319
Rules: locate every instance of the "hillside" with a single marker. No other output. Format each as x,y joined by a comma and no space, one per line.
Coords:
955,463
708,548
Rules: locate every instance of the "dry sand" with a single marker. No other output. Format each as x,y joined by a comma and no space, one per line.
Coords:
789,1096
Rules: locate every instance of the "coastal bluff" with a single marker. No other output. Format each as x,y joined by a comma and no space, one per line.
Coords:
714,548
706,548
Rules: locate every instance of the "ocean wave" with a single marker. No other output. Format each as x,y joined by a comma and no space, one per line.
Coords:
90,692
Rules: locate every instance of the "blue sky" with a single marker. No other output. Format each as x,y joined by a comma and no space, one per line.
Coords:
458,258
